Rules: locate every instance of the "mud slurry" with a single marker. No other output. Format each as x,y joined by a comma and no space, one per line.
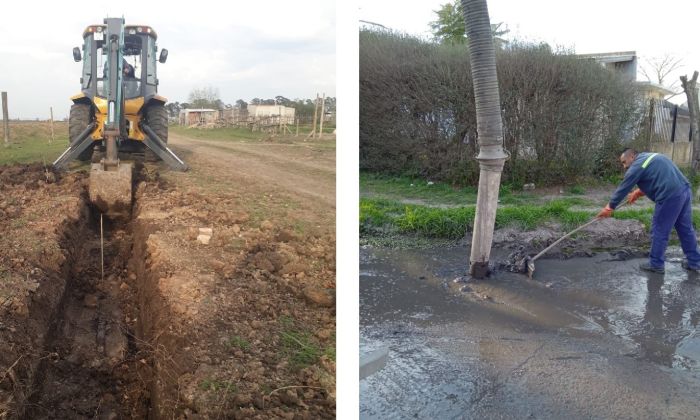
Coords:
590,337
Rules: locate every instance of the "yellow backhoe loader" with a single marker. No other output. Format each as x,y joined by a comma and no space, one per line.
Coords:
118,111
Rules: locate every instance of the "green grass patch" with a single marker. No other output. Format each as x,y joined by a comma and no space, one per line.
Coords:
299,346
644,216
576,190
406,188
29,142
216,385
430,221
239,342
381,216
222,133
415,188
378,211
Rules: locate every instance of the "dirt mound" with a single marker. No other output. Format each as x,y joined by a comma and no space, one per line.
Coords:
623,237
38,221
30,175
252,304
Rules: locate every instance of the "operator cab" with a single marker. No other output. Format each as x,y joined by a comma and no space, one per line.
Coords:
139,52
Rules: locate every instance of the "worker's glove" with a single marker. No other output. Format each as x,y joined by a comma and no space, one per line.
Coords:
606,212
634,195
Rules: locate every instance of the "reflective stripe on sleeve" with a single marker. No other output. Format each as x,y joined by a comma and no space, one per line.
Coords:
646,162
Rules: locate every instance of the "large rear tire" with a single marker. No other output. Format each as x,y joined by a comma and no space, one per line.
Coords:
156,117
80,117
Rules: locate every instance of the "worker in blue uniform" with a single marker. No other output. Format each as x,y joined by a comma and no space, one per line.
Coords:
657,177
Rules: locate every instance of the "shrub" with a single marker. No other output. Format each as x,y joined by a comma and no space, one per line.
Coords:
564,118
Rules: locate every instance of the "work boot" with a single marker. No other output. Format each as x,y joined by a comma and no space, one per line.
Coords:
688,267
648,267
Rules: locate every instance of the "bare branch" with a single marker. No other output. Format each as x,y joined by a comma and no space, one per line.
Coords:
657,69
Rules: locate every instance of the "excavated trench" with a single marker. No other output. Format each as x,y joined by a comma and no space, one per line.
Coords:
93,364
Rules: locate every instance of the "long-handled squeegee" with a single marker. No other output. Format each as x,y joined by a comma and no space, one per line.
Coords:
527,264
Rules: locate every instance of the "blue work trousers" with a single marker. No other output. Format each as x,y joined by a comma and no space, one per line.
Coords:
674,212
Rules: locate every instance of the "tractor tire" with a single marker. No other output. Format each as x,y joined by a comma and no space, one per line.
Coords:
80,117
156,117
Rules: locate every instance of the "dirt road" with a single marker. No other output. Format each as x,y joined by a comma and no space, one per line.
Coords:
218,298
303,171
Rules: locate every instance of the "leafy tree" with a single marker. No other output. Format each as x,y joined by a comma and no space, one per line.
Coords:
256,101
173,109
449,26
330,104
281,100
207,97
242,104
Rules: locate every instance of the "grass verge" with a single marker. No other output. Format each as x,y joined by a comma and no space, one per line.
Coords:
438,194
222,134
381,216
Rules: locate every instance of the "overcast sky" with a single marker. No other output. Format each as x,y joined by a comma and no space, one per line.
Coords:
246,49
652,29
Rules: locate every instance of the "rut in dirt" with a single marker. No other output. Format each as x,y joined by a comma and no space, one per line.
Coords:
93,367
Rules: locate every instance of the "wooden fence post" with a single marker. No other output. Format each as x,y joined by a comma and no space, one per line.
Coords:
313,130
6,119
52,136
297,135
323,105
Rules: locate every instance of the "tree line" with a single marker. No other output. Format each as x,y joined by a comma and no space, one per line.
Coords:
208,97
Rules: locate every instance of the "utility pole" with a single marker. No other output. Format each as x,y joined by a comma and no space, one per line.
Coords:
323,105
5,119
52,137
491,157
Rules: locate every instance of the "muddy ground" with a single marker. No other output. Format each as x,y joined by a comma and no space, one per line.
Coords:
590,336
239,326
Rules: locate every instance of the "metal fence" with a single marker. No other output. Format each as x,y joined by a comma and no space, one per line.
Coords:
667,122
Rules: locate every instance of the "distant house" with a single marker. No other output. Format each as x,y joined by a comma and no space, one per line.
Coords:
190,117
257,112
654,90
234,114
624,62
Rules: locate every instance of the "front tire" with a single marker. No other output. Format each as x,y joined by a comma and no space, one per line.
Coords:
79,118
156,117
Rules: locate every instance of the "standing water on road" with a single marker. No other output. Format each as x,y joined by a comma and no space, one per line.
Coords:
588,337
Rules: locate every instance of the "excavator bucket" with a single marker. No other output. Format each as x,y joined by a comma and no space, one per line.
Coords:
110,190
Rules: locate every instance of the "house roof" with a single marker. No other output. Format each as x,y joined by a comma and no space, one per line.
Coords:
188,110
657,87
611,57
